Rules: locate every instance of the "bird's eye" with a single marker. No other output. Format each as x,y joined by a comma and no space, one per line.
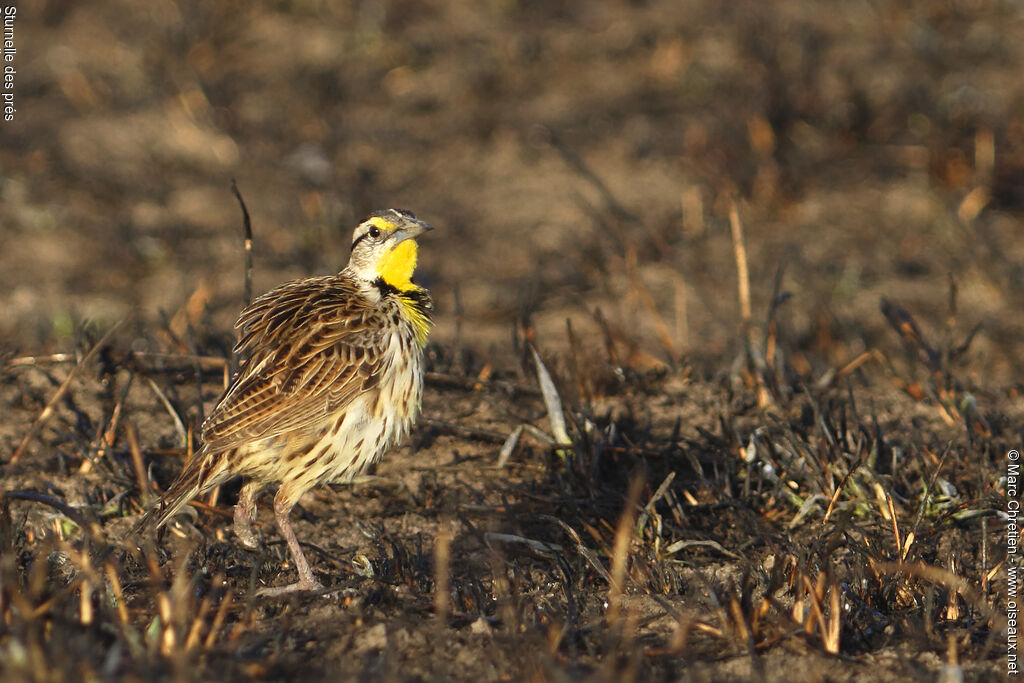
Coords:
374,232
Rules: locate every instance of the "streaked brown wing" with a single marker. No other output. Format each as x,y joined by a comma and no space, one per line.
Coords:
312,346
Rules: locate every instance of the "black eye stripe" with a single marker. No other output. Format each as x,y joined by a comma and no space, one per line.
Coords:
373,233
358,240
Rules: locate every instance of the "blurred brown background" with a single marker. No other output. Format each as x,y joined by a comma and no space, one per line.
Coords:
574,155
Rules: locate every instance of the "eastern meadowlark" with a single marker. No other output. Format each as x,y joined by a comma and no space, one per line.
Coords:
331,376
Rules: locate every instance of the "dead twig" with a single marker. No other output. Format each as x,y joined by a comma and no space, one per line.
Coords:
447,427
553,402
742,269
68,511
62,390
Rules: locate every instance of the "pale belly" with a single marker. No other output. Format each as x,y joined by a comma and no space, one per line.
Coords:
348,440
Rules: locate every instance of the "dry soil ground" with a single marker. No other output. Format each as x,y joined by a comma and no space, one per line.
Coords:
809,494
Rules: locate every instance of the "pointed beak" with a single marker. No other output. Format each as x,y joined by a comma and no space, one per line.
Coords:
411,228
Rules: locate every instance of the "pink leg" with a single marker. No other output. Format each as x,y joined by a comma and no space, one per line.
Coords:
307,582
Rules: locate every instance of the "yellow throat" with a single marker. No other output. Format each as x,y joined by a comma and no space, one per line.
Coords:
396,266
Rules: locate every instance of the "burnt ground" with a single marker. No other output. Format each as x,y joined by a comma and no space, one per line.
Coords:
806,492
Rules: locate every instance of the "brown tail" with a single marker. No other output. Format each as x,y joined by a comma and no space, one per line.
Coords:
199,476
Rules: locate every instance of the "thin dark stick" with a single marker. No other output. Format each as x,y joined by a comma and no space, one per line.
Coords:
57,504
463,430
247,225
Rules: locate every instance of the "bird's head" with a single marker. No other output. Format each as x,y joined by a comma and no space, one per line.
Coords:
384,248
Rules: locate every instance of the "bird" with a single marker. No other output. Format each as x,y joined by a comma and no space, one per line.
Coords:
330,377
